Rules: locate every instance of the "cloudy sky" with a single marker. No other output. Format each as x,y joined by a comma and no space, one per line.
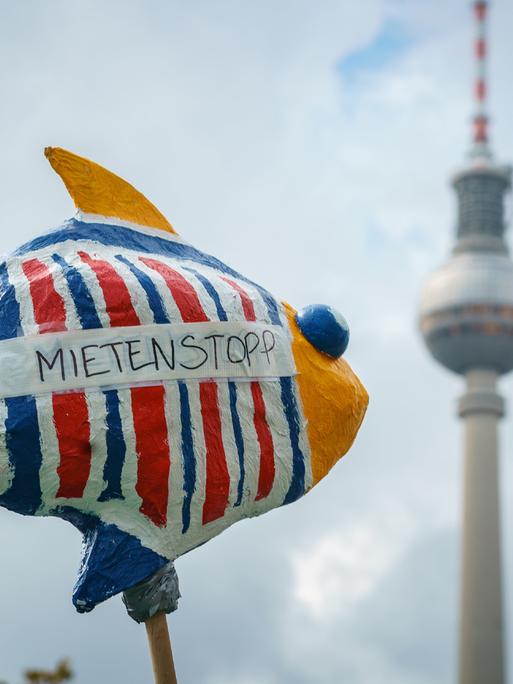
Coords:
309,145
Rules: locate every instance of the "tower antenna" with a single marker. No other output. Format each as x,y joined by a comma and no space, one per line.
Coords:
480,147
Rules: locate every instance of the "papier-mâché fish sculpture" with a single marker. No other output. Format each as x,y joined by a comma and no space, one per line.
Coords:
152,395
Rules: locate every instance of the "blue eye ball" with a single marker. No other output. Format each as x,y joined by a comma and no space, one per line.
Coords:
325,328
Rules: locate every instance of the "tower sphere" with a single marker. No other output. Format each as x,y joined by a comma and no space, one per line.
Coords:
466,312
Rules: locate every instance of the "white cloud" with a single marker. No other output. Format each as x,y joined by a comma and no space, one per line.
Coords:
344,566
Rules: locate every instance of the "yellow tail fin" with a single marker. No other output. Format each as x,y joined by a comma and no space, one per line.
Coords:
95,190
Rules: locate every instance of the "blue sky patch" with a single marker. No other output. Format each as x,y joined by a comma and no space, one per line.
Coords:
390,43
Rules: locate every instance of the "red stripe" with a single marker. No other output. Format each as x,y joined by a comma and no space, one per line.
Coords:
183,292
115,292
152,447
247,304
480,8
217,488
480,90
265,440
71,420
49,309
264,436
480,48
480,130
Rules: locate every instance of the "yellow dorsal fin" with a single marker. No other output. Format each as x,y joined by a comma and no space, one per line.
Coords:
98,191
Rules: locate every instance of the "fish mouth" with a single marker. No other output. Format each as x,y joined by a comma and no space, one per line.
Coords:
333,398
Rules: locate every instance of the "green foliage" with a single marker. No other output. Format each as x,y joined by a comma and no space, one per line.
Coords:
61,673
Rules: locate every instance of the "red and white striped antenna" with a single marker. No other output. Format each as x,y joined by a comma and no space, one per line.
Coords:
480,138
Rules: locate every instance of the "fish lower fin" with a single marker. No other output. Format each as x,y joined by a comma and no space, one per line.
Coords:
112,561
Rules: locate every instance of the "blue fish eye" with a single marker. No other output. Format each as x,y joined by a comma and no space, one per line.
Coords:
325,328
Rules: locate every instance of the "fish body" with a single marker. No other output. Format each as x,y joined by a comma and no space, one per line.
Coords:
152,395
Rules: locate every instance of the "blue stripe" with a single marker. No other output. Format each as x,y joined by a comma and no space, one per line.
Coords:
221,313
116,449
189,458
122,236
154,298
10,323
297,484
22,440
239,441
82,298
272,306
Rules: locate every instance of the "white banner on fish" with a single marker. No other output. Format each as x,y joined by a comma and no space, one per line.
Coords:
102,357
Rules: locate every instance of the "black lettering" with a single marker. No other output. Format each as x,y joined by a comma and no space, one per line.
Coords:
113,345
132,353
75,364
267,349
249,351
193,346
213,337
228,347
157,348
87,360
41,358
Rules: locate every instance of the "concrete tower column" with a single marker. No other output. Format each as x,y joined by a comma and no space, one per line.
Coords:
481,625
467,323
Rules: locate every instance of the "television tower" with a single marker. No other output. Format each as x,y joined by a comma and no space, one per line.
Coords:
466,319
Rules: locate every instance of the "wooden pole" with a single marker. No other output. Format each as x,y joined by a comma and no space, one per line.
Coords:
160,649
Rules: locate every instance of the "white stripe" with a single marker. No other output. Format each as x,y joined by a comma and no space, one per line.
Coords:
228,437
206,300
304,444
22,290
60,284
230,299
6,469
278,425
246,410
48,476
176,474
172,311
138,295
259,305
200,452
97,409
92,284
129,472
481,72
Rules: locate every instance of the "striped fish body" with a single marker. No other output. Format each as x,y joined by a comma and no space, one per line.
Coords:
152,396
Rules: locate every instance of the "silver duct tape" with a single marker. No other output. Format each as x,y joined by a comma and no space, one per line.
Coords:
157,594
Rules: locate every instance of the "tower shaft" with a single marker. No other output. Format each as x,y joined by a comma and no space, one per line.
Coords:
481,623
